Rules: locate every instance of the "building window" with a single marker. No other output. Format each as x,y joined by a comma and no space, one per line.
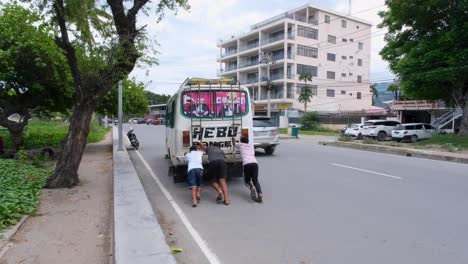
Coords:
343,74
343,92
344,40
290,91
350,74
343,23
331,39
330,93
331,56
359,79
301,68
357,27
330,75
358,95
351,40
313,87
359,62
327,19
360,45
307,32
350,57
343,57
307,51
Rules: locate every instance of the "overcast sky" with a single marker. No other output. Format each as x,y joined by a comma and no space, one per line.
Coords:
187,41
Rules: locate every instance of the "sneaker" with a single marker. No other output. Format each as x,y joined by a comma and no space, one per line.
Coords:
253,194
260,199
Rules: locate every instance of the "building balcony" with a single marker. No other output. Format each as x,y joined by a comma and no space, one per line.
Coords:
305,20
247,47
273,39
273,95
248,64
249,81
226,54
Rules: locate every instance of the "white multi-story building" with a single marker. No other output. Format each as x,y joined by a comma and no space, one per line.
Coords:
333,47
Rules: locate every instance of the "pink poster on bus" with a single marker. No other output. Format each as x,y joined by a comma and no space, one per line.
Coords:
230,104
198,104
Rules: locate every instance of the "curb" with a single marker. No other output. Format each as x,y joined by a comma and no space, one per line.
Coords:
397,151
5,243
288,137
138,237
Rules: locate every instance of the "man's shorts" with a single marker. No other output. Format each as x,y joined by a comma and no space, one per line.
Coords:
217,169
195,178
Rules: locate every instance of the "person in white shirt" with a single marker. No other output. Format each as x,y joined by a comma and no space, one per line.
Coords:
194,173
249,162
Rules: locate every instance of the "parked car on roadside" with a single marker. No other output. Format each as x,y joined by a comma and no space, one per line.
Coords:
354,130
141,121
413,132
265,134
379,129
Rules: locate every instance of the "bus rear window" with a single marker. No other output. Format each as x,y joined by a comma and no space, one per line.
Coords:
214,104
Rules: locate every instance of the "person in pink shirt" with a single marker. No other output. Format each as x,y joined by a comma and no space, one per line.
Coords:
249,162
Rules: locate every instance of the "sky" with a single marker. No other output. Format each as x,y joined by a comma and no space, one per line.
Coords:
187,40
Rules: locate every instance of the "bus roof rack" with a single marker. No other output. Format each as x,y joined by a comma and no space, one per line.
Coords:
204,81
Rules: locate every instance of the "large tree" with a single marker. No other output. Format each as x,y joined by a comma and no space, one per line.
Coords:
154,98
34,76
427,47
89,30
134,102
305,94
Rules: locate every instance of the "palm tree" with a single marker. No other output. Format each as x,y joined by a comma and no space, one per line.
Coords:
306,91
375,93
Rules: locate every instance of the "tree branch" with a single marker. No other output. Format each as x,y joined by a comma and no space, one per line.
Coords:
137,5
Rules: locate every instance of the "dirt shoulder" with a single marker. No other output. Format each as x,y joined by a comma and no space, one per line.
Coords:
72,225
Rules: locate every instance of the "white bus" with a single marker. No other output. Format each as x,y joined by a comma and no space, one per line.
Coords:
205,111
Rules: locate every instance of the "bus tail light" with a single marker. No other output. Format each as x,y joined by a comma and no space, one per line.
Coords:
186,138
245,132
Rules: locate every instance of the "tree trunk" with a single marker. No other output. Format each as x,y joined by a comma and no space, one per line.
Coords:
305,107
464,121
16,136
66,172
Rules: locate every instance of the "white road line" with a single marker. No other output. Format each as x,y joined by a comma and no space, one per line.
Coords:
212,258
373,172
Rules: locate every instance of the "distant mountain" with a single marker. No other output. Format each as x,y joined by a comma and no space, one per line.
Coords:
384,95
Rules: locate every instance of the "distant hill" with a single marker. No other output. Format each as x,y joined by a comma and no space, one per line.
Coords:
384,95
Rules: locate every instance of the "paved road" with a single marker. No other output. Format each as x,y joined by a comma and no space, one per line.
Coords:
322,205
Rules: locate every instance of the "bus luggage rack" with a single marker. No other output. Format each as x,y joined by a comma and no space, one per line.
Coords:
197,84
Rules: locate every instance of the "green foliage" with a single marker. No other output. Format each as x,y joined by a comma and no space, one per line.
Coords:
50,134
134,100
310,121
306,92
20,185
33,69
368,140
427,47
154,98
345,138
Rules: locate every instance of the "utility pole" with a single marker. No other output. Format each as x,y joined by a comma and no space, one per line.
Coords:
120,148
267,59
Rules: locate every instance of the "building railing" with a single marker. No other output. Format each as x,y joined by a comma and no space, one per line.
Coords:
273,95
249,80
305,20
279,56
291,35
231,68
277,76
248,64
228,53
272,39
249,46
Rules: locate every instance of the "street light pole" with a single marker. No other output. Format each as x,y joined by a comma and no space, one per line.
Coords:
120,148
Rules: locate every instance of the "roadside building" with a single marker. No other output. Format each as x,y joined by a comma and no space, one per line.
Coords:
334,48
157,111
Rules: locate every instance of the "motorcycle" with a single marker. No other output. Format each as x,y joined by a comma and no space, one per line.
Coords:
133,139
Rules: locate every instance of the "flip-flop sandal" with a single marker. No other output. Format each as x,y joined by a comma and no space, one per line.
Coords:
226,203
194,205
219,198
198,198
253,194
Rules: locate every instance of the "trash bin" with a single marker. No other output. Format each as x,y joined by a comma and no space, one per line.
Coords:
294,131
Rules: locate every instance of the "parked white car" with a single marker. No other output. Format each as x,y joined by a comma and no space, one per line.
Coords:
380,129
355,130
413,132
265,134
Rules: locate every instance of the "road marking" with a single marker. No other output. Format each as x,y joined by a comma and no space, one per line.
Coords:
212,258
373,172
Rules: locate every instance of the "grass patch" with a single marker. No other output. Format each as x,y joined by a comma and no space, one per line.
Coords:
450,142
20,185
41,134
315,132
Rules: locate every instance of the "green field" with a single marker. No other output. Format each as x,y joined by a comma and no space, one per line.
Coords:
450,142
41,134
